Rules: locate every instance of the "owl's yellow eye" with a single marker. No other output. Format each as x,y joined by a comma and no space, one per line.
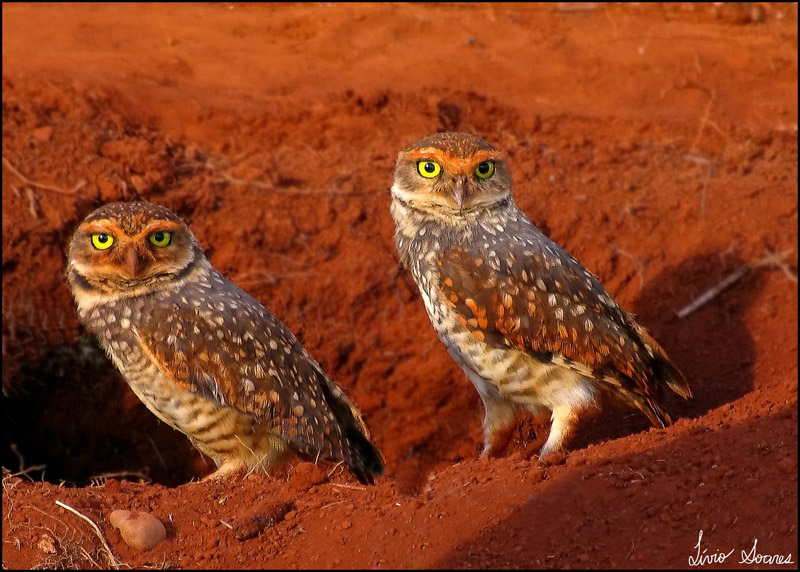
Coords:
485,170
102,241
161,238
428,169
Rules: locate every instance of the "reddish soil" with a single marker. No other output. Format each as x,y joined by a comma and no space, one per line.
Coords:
657,143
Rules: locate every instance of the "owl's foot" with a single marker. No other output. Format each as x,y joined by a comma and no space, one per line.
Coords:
224,470
563,418
498,426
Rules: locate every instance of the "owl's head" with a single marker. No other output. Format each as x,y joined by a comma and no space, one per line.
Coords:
451,174
121,248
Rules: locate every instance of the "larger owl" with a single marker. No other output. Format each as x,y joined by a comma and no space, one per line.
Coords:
203,355
528,324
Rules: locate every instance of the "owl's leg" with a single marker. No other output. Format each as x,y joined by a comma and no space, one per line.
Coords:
563,418
498,426
499,421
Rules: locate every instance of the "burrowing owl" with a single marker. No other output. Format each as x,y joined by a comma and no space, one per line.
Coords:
529,325
202,354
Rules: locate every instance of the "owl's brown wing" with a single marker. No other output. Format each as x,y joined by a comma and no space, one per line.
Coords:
537,298
232,351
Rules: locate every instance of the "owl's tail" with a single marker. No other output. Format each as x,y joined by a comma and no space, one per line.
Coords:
670,375
361,457
646,394
665,372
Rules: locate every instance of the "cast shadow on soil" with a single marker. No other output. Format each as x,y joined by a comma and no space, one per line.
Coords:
711,346
455,437
595,515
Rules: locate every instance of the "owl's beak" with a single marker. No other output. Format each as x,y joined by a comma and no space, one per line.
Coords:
135,261
460,194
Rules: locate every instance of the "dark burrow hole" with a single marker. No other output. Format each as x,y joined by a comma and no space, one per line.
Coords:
70,417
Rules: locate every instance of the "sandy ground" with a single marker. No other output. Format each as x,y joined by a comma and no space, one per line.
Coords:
657,143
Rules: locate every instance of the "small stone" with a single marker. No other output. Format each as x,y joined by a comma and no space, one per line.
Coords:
758,13
47,544
787,465
139,183
247,527
107,188
193,153
576,460
43,134
553,458
306,475
139,530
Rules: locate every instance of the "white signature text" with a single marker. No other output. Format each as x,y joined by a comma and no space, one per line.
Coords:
703,557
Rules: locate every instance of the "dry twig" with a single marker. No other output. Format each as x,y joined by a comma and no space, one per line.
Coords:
336,466
102,478
699,159
43,186
770,259
112,560
355,488
638,264
23,471
704,120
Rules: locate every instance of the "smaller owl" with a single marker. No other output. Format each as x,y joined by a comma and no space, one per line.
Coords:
203,355
529,325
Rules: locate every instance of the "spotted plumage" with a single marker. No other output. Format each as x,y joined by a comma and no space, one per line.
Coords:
201,353
530,326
